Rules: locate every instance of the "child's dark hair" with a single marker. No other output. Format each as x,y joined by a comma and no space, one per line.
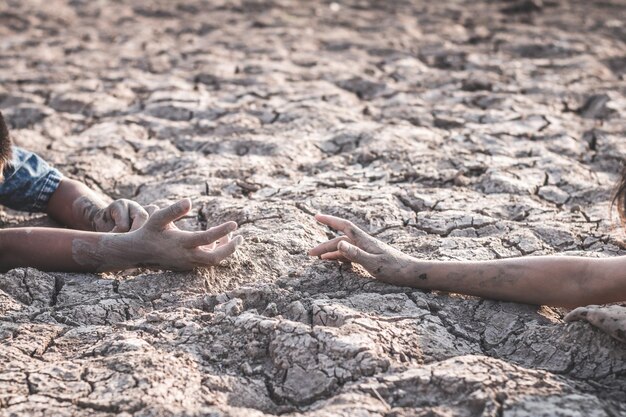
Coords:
619,197
5,145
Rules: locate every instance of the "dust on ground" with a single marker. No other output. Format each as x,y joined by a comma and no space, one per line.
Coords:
452,130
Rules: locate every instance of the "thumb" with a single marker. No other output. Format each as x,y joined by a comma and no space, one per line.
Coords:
355,254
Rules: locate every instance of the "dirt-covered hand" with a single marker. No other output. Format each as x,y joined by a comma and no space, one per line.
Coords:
119,217
160,244
609,319
379,259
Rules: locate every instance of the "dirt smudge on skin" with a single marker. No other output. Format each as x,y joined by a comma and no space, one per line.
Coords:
451,131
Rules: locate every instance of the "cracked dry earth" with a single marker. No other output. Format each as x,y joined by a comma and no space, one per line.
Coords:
452,130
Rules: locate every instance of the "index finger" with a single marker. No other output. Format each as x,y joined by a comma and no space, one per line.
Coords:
209,236
161,218
359,237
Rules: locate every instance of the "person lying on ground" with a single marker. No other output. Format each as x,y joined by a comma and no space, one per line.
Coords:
102,237
566,281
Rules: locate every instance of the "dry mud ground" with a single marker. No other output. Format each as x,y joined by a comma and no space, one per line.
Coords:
452,130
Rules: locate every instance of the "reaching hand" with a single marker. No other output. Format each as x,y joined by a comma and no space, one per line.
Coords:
159,243
609,319
119,217
379,259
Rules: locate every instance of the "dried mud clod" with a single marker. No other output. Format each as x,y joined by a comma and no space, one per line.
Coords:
482,130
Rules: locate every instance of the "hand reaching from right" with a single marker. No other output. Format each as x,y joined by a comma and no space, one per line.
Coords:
379,259
544,280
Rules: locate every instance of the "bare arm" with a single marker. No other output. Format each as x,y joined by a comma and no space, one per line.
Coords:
157,244
77,206
547,280
47,249
550,280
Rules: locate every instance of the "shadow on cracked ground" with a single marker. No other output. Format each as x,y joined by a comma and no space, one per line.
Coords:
475,130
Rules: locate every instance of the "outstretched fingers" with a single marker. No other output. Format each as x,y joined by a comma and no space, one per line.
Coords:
161,218
356,255
334,256
358,236
223,240
327,247
215,256
211,235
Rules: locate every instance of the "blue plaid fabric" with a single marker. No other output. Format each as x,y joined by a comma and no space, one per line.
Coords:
28,182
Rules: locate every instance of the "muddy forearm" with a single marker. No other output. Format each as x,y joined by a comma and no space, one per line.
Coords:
549,280
75,205
64,250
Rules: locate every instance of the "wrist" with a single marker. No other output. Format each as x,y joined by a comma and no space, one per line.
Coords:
87,211
418,273
104,252
123,251
132,250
